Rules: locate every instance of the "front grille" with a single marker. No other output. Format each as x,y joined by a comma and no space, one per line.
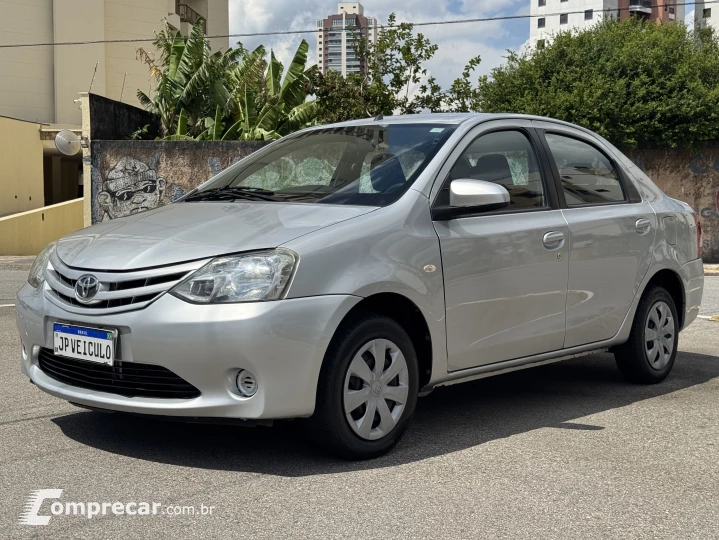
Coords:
127,379
118,291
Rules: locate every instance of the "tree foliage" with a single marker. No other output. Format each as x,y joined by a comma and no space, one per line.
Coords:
395,67
634,83
234,94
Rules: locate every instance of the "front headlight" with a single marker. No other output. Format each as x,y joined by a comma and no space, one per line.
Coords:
250,277
37,270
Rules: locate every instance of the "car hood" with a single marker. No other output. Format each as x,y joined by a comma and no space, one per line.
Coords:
189,231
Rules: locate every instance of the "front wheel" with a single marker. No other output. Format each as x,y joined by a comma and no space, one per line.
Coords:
367,390
648,355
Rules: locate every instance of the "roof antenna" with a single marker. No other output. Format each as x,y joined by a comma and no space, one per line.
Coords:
378,117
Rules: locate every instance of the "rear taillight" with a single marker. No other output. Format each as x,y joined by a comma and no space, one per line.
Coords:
699,234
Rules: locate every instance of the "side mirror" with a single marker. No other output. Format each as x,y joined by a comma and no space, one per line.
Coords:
478,195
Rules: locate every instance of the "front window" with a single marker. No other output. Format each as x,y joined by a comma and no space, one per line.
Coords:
356,165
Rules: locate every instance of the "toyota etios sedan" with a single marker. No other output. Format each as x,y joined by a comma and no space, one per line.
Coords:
343,271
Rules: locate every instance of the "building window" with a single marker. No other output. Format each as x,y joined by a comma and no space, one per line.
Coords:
336,22
707,13
671,11
319,24
540,23
542,3
563,0
564,18
588,14
540,44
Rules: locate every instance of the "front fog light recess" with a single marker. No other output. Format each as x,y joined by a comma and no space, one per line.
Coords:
246,383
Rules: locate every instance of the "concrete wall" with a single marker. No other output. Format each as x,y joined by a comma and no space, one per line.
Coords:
112,120
26,73
21,166
74,65
158,172
40,83
691,176
132,176
27,233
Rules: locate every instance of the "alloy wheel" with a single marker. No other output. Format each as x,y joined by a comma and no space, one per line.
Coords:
659,332
376,389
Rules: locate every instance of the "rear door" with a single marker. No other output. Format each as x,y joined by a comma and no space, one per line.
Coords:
505,271
611,232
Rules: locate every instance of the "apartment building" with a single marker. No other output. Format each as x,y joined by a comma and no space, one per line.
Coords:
706,14
336,35
40,84
552,16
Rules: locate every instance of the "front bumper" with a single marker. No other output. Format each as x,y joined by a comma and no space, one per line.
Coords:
282,343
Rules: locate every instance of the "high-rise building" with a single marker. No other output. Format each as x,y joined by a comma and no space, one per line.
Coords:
706,15
552,16
337,34
40,83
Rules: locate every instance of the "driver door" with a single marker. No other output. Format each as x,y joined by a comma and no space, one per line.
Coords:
505,271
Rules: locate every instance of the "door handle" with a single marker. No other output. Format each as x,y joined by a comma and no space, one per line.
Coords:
553,240
642,225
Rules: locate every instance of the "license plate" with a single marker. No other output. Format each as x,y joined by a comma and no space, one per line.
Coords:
82,343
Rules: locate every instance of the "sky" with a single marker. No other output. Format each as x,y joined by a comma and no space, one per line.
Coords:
457,42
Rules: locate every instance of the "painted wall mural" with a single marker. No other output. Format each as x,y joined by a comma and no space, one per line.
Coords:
134,176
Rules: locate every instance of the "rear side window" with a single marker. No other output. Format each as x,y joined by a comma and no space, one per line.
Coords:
587,174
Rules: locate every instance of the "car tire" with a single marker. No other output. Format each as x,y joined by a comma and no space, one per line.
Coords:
648,355
355,416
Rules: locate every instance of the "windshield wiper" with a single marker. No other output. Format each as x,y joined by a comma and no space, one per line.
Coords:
229,193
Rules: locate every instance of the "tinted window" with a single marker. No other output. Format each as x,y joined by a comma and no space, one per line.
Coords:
587,175
366,165
506,158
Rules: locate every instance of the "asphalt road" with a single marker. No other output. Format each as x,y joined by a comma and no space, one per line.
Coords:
567,450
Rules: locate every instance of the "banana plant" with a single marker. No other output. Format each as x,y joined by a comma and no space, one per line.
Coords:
226,95
281,107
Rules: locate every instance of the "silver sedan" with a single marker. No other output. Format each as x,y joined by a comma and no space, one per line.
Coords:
342,272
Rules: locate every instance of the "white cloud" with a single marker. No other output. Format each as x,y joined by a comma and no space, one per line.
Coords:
457,42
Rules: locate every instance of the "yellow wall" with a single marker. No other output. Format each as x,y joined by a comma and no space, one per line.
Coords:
21,177
74,65
40,84
26,73
29,232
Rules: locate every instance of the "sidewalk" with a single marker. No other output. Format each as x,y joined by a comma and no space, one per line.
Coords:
16,263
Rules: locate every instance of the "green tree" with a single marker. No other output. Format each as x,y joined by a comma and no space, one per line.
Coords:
634,83
233,94
395,63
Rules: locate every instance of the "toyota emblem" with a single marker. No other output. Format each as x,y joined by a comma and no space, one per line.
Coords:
86,288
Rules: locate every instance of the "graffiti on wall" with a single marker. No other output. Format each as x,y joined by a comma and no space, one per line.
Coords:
128,178
131,186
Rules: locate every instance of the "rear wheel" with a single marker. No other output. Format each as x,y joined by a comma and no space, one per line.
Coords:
367,391
648,355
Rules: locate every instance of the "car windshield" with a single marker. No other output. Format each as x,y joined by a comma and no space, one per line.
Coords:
357,165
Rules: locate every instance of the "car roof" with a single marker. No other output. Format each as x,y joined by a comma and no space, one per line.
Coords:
448,118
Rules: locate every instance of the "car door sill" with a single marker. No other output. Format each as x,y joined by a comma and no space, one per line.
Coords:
506,366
